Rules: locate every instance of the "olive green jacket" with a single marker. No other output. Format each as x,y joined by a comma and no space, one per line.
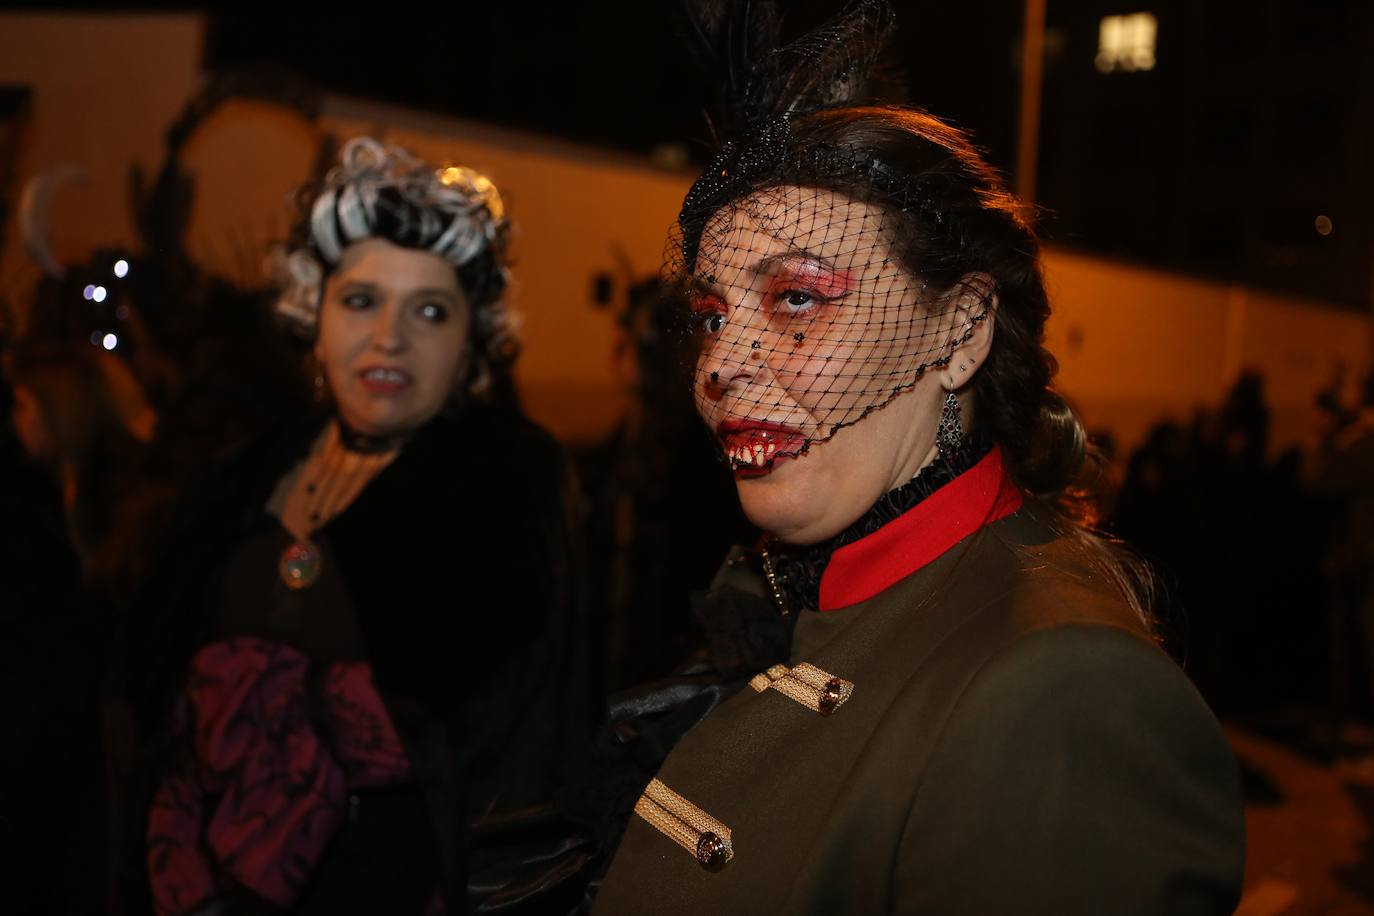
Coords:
1015,742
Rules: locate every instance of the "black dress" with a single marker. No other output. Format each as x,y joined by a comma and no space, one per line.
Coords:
448,591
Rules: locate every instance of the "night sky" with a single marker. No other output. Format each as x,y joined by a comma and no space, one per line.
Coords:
613,73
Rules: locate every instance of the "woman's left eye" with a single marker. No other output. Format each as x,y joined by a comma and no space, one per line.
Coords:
357,301
434,311
798,300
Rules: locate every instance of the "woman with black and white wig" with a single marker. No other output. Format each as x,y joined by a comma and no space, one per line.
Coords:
360,646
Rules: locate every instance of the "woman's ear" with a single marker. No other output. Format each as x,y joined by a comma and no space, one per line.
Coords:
974,310
316,347
471,377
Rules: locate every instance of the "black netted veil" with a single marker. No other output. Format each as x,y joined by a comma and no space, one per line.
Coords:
788,252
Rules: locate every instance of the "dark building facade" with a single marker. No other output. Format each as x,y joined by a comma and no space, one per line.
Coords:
1245,152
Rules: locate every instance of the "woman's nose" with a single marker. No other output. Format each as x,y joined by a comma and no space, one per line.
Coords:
388,328
734,357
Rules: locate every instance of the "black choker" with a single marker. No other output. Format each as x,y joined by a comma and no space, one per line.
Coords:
355,441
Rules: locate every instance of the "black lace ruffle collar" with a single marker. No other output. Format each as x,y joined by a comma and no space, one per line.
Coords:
797,570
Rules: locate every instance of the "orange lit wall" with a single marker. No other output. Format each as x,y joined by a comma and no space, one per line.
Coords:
1136,345
105,87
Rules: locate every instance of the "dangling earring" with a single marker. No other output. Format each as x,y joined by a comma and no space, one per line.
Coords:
949,436
319,386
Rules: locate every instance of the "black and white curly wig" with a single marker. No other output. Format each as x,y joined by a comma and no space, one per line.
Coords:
383,191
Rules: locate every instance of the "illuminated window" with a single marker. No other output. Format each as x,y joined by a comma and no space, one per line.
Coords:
1127,43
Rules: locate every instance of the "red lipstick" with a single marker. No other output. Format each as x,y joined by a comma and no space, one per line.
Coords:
753,446
385,380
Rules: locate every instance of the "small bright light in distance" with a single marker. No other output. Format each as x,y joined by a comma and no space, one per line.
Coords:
109,342
1127,43
121,268
89,292
1323,225
98,294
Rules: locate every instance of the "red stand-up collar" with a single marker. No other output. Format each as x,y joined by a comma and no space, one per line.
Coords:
979,496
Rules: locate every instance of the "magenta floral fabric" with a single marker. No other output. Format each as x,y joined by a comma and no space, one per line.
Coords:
272,750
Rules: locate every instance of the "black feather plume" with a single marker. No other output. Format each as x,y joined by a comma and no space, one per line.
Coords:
740,47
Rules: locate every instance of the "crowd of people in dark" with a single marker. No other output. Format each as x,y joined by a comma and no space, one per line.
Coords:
1261,555
96,448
